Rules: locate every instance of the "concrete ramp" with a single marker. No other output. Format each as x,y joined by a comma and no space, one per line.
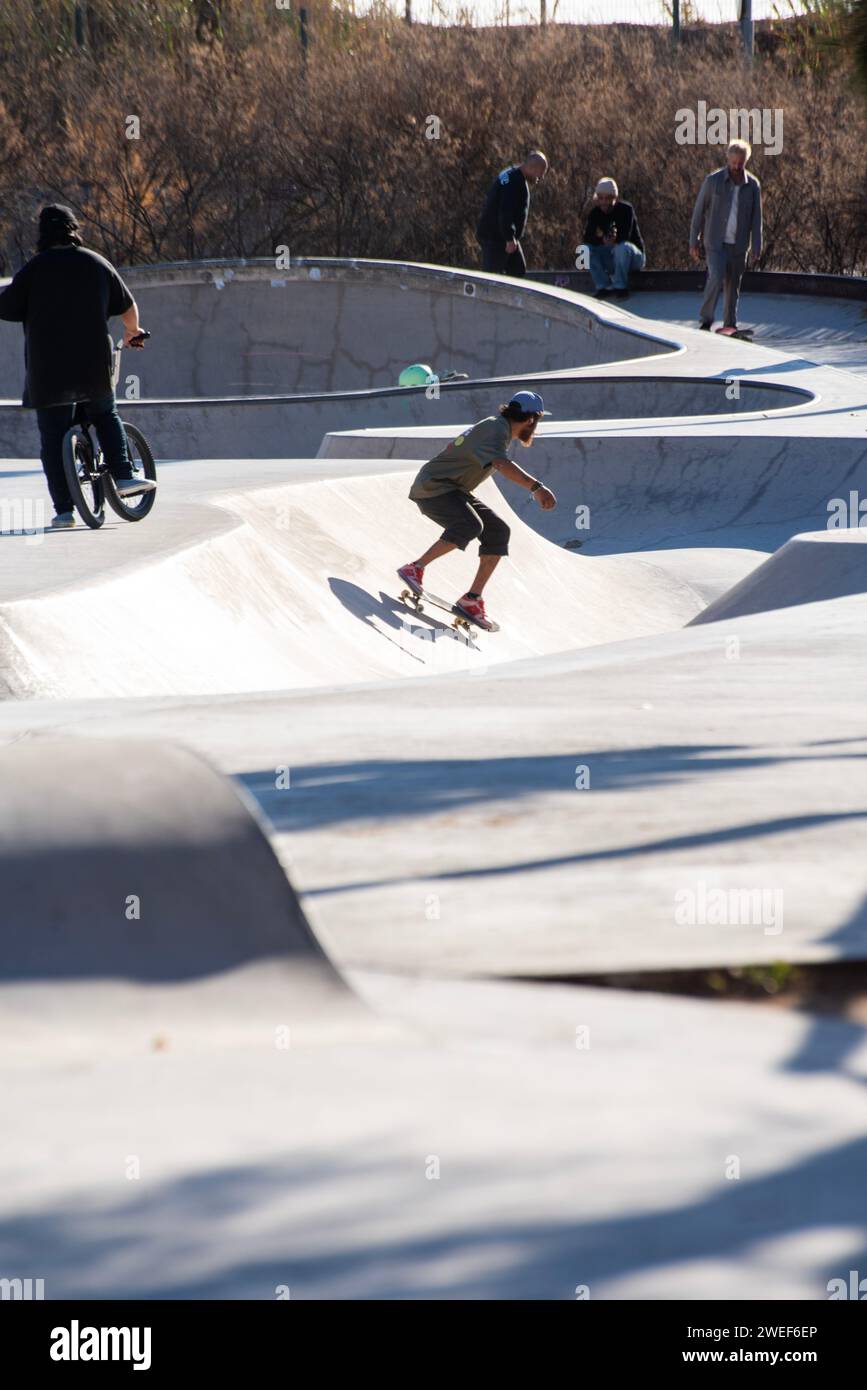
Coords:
810,568
302,591
651,487
136,861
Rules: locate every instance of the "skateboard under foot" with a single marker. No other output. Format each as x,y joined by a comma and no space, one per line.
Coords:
463,622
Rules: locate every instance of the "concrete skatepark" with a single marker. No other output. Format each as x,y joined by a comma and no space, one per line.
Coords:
297,883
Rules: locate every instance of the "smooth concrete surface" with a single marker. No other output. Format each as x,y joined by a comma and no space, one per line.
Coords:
197,1106
69,864
808,569
293,426
171,1131
302,590
187,516
569,815
648,488
828,332
605,788
130,874
518,1142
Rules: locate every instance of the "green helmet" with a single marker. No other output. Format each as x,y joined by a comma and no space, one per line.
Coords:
419,374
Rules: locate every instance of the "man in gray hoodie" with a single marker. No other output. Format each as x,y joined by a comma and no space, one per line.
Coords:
727,223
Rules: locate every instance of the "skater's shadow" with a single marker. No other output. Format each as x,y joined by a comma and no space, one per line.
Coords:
392,613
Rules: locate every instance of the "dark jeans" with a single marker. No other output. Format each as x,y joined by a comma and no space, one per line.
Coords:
55,420
464,519
495,260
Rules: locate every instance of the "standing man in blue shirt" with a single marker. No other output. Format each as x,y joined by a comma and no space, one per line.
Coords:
504,216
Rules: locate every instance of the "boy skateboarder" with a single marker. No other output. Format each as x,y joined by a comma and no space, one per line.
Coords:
443,491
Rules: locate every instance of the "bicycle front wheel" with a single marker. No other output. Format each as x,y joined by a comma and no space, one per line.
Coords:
143,466
82,477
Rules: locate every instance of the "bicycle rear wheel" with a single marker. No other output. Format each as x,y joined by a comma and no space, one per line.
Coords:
143,466
83,477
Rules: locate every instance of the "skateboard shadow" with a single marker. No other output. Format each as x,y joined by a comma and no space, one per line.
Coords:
394,614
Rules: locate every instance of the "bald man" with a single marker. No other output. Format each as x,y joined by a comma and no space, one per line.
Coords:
504,216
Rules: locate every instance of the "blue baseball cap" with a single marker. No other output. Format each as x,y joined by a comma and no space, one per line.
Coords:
530,402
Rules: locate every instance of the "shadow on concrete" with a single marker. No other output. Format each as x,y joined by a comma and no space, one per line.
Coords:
211,1222
719,836
376,789
394,614
829,1050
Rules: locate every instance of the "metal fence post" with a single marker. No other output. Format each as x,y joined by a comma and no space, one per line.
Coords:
747,31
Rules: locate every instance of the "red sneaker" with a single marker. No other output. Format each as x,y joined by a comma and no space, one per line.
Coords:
413,576
472,607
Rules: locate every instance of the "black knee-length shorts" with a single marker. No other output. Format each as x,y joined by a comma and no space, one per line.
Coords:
464,518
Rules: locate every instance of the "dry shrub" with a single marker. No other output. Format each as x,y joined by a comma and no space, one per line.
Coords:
245,146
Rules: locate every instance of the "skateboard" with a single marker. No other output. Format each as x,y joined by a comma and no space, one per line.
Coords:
462,621
745,333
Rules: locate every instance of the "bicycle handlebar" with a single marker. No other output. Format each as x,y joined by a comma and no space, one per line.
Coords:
138,339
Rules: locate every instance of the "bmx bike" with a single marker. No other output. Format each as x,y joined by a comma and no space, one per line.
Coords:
88,478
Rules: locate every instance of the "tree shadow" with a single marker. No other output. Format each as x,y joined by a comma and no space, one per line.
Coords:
381,789
823,1049
479,1249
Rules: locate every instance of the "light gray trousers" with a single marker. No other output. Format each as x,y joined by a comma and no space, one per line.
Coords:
725,269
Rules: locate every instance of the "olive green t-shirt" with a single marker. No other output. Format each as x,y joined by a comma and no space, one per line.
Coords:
466,462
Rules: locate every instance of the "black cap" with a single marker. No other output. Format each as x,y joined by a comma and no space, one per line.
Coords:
57,218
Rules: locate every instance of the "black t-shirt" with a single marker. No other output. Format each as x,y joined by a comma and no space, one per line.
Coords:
504,216
64,297
621,218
